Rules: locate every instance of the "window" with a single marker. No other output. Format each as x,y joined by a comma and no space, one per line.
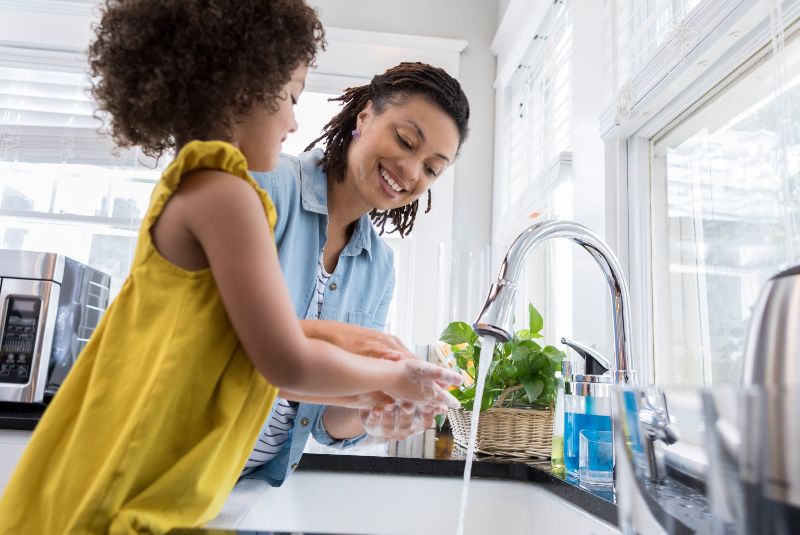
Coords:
65,188
538,110
726,216
533,182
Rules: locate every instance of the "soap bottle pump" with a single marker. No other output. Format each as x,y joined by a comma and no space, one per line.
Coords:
587,400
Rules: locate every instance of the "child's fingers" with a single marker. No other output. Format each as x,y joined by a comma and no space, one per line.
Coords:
432,372
408,407
444,376
445,398
370,419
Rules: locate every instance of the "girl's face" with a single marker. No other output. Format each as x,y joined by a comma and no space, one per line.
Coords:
262,132
401,151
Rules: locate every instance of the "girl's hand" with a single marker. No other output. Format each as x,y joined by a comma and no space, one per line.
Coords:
355,339
423,383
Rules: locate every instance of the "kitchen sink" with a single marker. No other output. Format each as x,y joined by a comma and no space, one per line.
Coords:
363,503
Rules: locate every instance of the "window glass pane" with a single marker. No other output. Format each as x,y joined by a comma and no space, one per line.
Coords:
102,246
65,189
726,218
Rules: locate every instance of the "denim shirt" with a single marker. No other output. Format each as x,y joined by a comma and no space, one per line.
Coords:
358,292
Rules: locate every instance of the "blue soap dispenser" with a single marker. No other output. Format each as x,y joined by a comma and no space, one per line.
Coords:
587,400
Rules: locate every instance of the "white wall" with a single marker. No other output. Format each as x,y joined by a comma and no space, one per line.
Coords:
473,21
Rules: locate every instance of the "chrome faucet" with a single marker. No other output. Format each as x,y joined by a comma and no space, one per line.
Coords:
495,318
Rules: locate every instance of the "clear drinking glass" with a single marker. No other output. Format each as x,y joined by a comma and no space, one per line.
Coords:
596,458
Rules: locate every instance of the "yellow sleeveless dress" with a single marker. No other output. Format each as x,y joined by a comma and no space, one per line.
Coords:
157,418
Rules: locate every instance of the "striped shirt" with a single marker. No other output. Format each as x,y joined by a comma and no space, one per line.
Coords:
276,434
322,281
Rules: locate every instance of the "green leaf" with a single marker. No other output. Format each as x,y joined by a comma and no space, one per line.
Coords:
488,398
537,362
439,419
532,387
458,332
555,356
462,359
520,353
552,351
508,371
525,334
535,320
476,354
530,344
467,397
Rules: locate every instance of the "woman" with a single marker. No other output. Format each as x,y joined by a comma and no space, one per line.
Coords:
392,139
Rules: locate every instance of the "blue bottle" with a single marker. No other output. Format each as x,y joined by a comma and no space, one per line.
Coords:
587,405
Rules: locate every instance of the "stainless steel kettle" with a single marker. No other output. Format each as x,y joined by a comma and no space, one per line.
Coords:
772,352
770,426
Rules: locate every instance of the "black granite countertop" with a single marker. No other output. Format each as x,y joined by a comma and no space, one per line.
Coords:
20,416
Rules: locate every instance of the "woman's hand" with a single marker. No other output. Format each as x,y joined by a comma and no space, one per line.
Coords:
357,339
422,383
396,422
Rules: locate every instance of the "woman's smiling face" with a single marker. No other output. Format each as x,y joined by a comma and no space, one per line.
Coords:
401,151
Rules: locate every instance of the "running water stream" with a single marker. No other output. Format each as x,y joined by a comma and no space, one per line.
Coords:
487,351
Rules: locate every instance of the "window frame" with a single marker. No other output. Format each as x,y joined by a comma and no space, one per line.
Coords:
730,37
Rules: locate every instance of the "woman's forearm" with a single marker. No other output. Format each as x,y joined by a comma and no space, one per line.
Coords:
342,423
344,401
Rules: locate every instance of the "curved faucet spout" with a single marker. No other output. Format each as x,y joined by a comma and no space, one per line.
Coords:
495,318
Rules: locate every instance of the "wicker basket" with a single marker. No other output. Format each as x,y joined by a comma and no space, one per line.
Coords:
512,432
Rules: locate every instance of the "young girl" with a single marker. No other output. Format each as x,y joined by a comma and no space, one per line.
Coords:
157,418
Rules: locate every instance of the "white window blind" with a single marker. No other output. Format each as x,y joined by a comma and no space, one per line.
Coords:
47,116
63,186
539,108
535,164
636,30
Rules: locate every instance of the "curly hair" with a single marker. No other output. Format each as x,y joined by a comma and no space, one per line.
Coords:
392,87
171,71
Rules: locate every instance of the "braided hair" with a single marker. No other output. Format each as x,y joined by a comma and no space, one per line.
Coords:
400,82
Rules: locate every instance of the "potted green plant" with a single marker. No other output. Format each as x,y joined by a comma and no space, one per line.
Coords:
519,392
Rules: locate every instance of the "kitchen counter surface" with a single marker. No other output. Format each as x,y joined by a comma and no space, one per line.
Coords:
20,416
448,461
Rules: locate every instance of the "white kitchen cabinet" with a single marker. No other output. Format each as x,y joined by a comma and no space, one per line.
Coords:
12,444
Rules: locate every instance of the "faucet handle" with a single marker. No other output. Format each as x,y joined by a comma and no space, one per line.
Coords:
596,363
656,424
